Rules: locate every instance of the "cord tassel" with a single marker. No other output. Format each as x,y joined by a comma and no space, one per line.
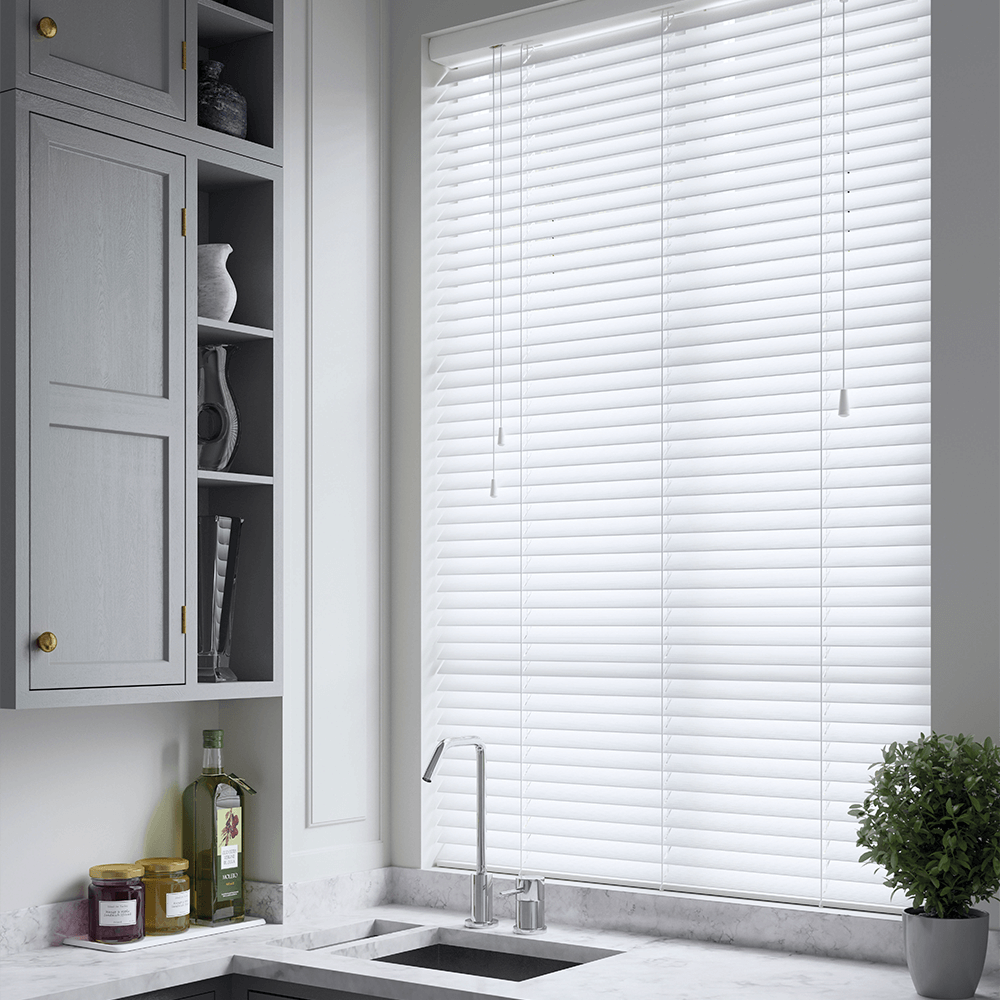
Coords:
844,409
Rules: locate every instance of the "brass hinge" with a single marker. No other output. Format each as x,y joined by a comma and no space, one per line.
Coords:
184,619
184,56
184,222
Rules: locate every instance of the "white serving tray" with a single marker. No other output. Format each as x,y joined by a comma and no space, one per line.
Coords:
155,940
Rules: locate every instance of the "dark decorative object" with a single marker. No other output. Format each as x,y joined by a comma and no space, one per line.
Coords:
218,417
218,551
220,105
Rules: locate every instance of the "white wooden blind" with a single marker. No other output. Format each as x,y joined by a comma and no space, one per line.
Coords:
698,604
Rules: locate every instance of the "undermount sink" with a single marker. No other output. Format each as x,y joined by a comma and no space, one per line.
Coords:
473,952
478,962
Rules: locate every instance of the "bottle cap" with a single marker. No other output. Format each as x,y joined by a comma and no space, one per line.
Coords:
163,865
120,870
212,739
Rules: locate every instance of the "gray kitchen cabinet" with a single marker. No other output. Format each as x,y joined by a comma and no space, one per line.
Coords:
107,403
239,987
137,61
208,989
130,52
100,490
255,988
94,411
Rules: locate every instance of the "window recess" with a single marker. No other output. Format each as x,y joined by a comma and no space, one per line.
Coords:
698,604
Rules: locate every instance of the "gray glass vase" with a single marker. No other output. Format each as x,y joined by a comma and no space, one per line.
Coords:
218,415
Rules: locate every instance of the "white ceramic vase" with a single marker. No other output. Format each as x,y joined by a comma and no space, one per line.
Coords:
216,289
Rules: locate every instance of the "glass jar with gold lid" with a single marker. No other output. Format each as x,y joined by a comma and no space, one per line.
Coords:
115,901
168,895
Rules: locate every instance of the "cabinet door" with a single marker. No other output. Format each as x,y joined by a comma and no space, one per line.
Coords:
129,50
107,539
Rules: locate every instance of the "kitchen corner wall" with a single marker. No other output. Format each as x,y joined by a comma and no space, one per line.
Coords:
87,786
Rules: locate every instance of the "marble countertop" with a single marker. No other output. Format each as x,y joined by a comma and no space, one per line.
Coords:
645,967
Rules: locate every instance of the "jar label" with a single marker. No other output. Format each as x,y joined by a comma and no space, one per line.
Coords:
178,903
117,912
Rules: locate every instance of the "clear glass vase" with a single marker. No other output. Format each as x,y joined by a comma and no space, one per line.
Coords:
218,556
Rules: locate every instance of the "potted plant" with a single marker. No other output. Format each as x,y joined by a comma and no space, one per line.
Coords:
932,821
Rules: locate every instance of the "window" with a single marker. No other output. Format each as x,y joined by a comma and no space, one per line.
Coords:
698,604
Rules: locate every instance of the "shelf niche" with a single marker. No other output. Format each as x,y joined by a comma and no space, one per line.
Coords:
241,36
238,208
253,654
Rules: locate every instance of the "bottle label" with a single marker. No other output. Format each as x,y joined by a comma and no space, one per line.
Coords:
229,841
178,903
117,912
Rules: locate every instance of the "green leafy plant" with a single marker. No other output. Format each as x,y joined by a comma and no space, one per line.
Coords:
932,821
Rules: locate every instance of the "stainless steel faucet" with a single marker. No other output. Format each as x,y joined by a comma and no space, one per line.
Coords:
482,883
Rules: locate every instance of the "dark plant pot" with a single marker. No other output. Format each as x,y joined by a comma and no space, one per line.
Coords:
945,956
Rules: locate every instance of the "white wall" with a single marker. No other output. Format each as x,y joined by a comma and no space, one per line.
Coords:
91,786
965,377
335,282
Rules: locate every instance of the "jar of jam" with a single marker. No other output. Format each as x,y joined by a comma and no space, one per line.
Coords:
168,895
116,900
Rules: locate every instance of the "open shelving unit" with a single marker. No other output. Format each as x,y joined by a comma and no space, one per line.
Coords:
239,203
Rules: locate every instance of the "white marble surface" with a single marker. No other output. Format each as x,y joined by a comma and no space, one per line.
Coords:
801,929
648,968
807,930
41,926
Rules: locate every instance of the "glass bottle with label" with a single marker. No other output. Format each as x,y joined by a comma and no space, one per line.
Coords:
213,838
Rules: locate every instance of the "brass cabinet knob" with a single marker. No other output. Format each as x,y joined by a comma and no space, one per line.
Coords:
47,29
46,642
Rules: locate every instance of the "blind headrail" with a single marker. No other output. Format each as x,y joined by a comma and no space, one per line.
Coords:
560,27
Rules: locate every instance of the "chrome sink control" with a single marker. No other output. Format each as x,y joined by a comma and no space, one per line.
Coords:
530,893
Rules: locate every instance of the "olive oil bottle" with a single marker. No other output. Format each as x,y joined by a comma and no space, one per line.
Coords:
213,838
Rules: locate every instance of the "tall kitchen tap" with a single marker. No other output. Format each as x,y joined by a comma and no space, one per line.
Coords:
482,883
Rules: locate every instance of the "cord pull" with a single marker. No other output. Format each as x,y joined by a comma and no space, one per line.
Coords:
844,408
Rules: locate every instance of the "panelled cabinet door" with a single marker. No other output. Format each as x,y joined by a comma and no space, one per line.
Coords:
129,50
107,536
